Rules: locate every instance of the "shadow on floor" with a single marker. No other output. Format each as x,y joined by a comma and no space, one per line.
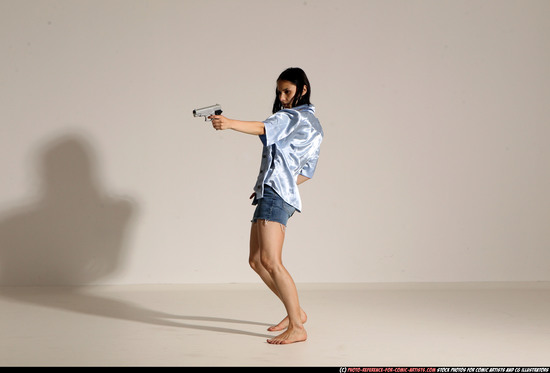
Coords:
81,301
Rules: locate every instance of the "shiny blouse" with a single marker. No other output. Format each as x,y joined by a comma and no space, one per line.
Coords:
292,143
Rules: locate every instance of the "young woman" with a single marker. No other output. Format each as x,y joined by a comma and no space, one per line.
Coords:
291,140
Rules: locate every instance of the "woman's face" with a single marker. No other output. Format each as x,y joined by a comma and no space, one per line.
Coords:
286,91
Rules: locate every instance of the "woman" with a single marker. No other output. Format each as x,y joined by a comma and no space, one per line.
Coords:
291,137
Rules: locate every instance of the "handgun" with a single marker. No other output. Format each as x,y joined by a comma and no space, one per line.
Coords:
208,111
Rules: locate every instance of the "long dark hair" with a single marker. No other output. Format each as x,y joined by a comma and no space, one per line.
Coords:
298,77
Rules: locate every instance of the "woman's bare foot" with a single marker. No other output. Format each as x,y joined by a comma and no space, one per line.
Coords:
284,323
291,335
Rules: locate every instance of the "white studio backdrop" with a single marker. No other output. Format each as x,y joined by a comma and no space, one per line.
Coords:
435,164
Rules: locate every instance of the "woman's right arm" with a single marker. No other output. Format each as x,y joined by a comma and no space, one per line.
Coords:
219,122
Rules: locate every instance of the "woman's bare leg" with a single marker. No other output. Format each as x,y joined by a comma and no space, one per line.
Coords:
255,261
270,238
256,264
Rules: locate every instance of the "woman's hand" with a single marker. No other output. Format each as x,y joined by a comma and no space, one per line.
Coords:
219,122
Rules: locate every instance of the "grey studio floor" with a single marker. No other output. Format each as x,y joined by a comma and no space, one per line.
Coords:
435,324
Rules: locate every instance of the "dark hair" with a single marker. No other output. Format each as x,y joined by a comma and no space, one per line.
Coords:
298,77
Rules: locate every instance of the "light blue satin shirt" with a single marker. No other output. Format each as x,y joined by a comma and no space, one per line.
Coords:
292,142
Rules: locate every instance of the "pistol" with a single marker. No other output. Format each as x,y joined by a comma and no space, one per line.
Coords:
208,111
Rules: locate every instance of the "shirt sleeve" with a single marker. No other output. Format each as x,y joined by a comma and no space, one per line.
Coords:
280,125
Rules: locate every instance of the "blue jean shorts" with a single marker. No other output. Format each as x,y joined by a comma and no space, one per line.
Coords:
271,207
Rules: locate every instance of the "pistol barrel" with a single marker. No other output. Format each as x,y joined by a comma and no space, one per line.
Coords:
207,111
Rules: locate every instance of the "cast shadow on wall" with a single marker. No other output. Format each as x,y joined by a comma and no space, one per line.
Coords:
72,235
74,232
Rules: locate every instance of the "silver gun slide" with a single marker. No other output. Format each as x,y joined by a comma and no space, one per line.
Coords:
208,111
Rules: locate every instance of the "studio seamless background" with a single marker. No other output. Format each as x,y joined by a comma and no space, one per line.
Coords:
435,164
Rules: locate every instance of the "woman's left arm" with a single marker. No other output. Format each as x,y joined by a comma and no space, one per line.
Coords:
219,122
301,179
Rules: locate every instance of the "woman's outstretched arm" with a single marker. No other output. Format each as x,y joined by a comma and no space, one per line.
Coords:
219,122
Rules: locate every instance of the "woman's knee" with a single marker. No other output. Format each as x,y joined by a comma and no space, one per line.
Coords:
270,264
255,262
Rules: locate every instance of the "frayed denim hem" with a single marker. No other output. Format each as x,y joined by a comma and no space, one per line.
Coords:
265,221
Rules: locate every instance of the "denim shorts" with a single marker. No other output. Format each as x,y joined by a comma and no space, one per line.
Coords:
271,207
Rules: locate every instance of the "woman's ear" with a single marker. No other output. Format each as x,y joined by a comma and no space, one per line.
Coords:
304,91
